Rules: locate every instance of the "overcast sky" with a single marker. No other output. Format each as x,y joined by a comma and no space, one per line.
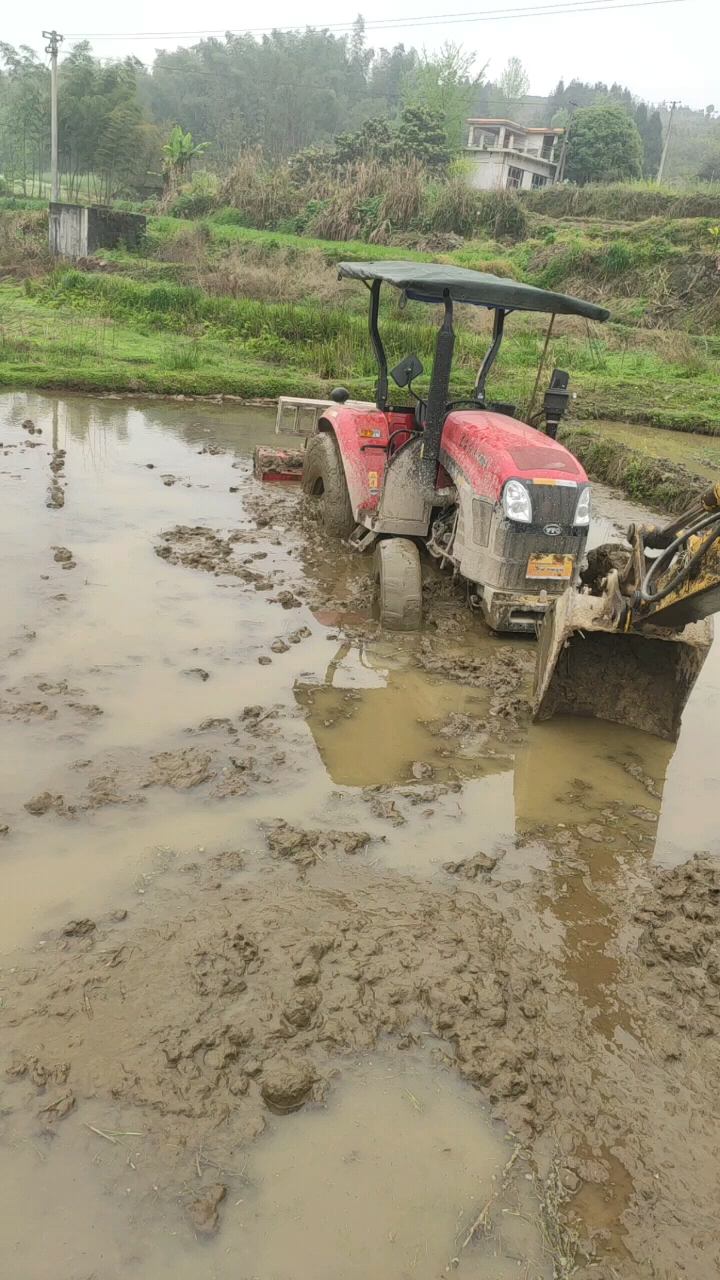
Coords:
660,51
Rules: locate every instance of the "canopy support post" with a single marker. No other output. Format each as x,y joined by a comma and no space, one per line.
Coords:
488,362
381,390
439,392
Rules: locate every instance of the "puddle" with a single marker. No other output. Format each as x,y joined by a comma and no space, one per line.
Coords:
132,695
397,1166
413,1149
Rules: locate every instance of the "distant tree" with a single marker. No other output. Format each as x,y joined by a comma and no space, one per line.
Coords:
604,145
421,136
709,170
24,118
650,130
389,72
417,135
515,81
443,85
373,141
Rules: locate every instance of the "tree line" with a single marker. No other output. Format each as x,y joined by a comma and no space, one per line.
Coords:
307,95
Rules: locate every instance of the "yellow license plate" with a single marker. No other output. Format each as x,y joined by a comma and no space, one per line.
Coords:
550,567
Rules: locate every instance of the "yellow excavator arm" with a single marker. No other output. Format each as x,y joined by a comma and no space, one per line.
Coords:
630,644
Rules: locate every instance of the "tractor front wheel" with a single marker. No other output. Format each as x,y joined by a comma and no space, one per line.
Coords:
398,576
323,477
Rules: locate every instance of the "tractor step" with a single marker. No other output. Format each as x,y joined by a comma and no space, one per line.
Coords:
362,539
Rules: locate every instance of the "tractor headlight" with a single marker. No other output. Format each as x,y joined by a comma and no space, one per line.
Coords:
582,510
516,502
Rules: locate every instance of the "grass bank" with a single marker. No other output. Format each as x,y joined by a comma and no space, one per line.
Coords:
108,331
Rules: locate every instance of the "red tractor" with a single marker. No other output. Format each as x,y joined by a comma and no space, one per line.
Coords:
503,503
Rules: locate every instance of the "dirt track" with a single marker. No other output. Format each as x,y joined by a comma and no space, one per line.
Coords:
323,867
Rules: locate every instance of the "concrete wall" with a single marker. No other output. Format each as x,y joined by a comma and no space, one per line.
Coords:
490,169
76,231
67,231
106,227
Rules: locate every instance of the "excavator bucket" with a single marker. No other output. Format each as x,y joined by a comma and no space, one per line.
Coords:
586,667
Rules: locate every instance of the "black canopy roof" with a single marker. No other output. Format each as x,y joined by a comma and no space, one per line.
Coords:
427,281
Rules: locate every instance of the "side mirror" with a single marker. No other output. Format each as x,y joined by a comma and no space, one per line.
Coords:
404,372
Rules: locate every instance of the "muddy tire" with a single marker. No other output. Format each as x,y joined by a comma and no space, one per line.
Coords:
323,477
399,583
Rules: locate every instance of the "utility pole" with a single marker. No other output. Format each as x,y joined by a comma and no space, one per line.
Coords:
52,48
663,158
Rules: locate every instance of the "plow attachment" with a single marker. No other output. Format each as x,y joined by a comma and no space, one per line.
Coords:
587,667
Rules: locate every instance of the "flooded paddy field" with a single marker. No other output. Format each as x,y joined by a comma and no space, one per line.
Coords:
698,453
317,958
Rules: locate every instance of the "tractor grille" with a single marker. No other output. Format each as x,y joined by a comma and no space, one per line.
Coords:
511,544
553,504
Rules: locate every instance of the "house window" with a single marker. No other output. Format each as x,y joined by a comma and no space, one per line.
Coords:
515,177
539,179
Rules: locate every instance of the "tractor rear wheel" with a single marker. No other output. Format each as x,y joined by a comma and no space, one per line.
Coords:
399,579
323,477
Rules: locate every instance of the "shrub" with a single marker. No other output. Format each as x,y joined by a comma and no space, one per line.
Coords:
228,217
197,197
263,194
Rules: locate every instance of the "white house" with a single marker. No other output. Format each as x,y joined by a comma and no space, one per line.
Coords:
504,154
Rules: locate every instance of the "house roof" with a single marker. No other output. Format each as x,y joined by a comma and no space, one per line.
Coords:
521,128
427,281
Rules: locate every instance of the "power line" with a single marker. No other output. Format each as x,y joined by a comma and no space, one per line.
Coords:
566,7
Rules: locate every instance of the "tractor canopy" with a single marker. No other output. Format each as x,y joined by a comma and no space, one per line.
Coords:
433,282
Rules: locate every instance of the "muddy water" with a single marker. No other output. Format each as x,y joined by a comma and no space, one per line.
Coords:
700,454
169,714
396,1168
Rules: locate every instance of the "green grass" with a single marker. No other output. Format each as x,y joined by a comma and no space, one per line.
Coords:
110,332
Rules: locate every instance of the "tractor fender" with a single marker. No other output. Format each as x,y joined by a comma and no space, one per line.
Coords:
364,466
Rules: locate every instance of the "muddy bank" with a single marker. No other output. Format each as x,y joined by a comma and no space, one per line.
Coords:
661,484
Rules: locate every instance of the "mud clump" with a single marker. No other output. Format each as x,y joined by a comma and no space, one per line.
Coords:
304,848
104,789
79,928
470,868
64,556
387,810
680,944
26,711
196,547
56,499
203,1213
46,802
286,599
181,769
286,1083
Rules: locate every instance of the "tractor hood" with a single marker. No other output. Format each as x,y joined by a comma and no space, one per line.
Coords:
428,282
489,448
